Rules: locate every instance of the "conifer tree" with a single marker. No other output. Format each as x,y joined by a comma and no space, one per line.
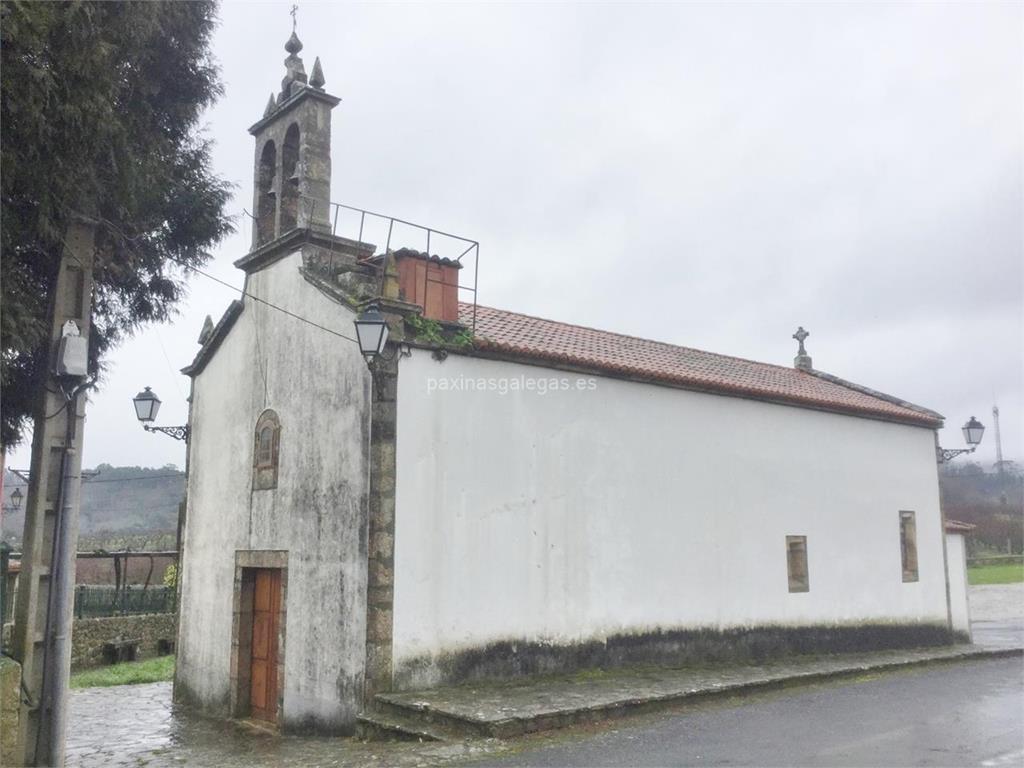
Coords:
100,104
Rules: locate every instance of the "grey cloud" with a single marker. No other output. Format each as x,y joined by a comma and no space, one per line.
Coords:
711,175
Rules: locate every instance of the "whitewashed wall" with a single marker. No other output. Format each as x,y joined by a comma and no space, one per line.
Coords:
956,559
579,515
319,385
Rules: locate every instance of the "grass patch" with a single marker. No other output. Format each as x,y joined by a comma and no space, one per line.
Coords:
1010,573
128,673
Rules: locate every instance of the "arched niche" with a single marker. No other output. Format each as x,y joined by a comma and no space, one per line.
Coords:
266,451
290,179
266,206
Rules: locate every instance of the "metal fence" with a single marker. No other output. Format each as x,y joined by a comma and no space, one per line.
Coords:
99,601
380,226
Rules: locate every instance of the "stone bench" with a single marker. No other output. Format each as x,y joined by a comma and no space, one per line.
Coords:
120,650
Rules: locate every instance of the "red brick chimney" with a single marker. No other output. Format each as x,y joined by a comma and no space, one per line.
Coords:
429,281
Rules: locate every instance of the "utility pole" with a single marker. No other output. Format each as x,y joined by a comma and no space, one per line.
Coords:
42,627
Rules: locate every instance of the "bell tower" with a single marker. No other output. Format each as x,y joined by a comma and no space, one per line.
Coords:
292,174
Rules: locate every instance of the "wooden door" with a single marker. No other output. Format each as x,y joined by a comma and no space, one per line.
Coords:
266,609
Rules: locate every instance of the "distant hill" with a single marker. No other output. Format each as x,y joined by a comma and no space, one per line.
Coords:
117,500
992,501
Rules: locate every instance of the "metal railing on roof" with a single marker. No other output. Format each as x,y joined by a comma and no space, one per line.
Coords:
455,248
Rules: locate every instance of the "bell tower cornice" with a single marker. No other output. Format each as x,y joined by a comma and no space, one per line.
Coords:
282,109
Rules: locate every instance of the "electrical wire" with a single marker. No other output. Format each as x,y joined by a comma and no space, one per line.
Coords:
56,413
242,291
111,480
134,479
167,359
140,508
270,304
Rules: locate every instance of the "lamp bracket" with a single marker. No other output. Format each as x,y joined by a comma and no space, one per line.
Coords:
398,350
178,433
943,455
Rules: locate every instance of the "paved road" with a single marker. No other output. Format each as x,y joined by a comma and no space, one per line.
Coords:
1005,633
957,715
996,602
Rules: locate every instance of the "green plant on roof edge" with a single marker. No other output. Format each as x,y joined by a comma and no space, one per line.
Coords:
429,331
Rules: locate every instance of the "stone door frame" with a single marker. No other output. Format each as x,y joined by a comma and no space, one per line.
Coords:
246,562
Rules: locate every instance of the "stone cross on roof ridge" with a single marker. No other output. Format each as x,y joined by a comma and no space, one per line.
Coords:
802,359
800,335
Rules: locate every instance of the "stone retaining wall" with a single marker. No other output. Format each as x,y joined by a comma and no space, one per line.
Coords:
10,698
89,635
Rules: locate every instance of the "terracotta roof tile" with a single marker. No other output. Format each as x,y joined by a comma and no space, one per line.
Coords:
955,526
542,340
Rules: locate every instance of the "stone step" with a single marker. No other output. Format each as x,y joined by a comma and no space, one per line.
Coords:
450,726
511,709
456,726
382,726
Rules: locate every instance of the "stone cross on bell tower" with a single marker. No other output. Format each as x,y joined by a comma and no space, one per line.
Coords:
292,175
802,359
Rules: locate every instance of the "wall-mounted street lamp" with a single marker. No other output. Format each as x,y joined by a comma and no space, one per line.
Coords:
16,498
973,431
147,405
371,332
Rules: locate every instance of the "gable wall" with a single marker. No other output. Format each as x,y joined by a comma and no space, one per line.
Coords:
319,385
570,518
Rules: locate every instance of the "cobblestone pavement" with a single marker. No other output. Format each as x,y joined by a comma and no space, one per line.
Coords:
137,725
113,725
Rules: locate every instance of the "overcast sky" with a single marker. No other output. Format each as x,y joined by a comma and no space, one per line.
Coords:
707,175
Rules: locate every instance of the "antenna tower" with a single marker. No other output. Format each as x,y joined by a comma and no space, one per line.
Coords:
999,443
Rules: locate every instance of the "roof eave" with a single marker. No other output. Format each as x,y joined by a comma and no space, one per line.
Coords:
880,395
484,347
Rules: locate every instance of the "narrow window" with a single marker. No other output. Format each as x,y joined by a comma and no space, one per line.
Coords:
266,450
265,454
796,559
908,545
